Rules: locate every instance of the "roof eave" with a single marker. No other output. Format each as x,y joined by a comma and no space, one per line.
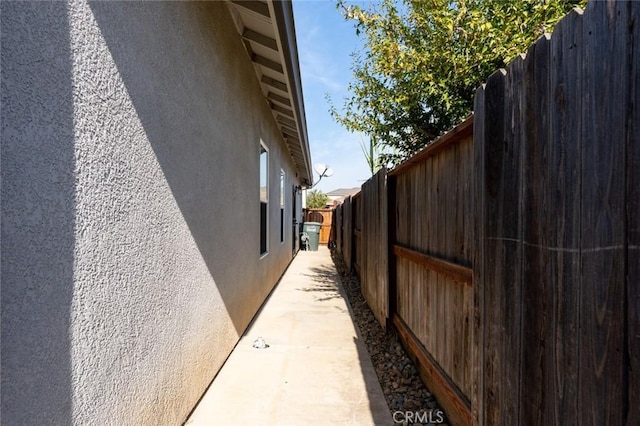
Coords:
284,21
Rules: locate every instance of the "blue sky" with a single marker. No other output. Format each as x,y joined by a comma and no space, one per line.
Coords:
325,43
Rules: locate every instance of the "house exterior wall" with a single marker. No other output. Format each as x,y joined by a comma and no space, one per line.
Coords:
130,207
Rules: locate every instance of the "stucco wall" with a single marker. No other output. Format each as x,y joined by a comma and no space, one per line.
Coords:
130,208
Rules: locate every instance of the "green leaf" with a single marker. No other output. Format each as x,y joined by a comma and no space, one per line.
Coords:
423,60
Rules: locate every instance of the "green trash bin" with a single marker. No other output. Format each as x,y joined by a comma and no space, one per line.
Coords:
312,231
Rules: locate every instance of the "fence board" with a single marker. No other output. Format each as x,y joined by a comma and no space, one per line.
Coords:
356,241
561,166
452,270
529,110
392,229
633,227
347,232
338,227
501,260
374,245
601,368
479,240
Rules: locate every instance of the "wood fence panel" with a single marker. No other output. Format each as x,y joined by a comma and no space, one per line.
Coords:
393,218
556,300
478,252
339,228
431,263
552,167
528,122
502,254
356,247
633,229
434,197
332,232
374,245
602,369
347,229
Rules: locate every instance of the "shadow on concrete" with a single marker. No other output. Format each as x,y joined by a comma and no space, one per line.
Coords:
326,283
38,213
329,290
379,411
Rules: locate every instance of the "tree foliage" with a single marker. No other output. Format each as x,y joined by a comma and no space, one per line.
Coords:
317,199
423,61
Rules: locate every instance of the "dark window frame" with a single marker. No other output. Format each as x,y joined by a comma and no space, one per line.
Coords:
264,200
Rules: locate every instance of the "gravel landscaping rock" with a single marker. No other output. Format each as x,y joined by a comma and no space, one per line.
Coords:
403,389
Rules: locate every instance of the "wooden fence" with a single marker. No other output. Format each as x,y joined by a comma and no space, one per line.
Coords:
512,262
372,246
557,162
356,226
432,252
415,274
324,217
347,231
338,228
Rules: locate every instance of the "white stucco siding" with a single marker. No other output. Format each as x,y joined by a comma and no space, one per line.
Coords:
165,116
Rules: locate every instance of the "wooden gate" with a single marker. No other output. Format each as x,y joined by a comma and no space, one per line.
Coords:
324,217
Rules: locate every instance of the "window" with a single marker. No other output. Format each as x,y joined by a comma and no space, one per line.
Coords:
264,199
282,179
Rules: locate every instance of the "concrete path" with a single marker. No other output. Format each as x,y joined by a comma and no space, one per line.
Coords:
316,369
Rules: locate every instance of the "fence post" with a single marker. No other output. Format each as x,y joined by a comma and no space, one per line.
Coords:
392,278
477,396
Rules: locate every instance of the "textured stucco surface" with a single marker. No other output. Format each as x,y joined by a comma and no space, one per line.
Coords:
38,213
130,213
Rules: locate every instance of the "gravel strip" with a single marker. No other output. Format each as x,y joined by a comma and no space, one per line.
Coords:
407,396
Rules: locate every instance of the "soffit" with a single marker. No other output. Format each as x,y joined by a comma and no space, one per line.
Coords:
268,35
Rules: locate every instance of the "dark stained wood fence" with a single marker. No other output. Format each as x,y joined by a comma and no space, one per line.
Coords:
356,242
556,148
513,241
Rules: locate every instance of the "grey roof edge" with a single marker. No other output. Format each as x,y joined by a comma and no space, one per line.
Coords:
284,21
340,192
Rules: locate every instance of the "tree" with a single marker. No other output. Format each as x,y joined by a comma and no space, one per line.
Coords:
424,59
317,199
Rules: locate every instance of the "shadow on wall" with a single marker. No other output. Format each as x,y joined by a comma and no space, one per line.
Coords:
186,99
38,205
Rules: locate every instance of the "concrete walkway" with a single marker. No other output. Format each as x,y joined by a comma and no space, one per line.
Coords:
316,369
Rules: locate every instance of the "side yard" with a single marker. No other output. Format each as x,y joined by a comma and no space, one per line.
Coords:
403,389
